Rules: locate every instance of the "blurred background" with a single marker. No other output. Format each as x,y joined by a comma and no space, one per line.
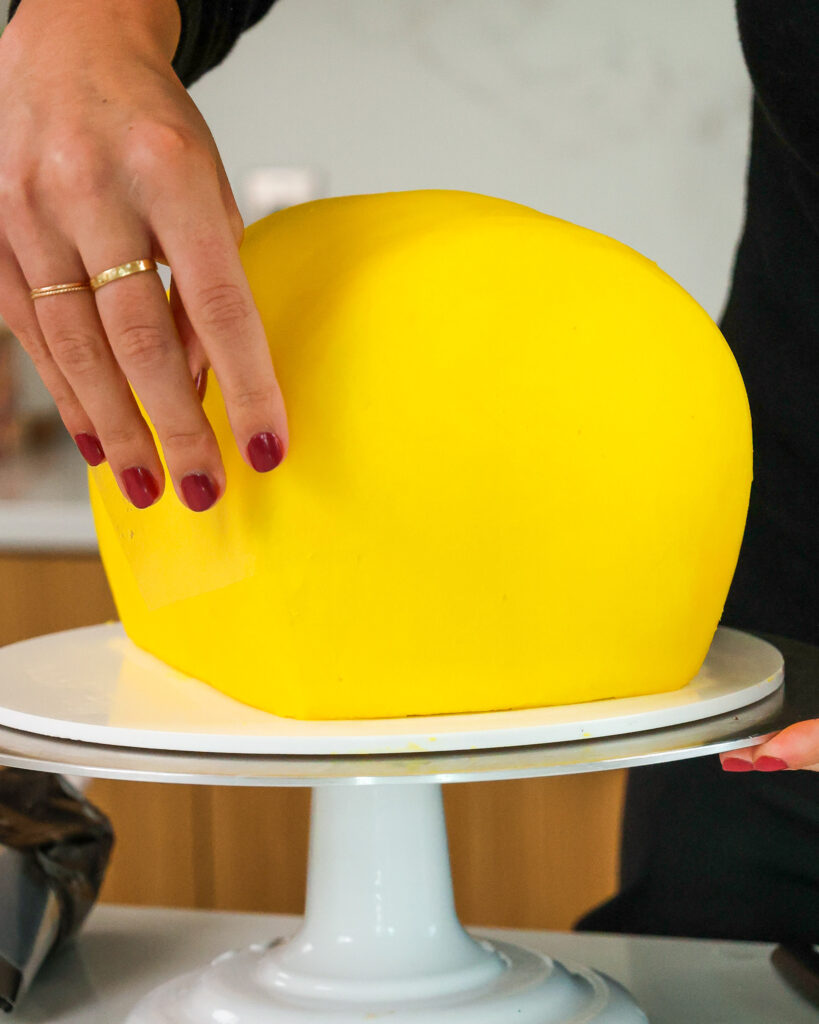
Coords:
630,118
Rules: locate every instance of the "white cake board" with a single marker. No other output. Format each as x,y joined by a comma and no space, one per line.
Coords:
93,685
381,939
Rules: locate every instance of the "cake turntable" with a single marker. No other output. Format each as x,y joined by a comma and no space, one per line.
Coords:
380,939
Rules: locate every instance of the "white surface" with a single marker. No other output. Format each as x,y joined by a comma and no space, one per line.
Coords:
124,952
52,525
95,686
381,939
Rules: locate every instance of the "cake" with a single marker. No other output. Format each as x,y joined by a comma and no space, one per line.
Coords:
518,475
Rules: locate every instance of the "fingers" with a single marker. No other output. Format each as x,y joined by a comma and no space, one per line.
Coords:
235,221
97,351
79,346
195,351
738,760
103,148
796,747
137,320
221,314
18,311
195,354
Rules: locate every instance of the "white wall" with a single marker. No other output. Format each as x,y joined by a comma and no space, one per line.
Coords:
628,116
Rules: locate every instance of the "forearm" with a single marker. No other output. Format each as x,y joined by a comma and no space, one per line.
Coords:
205,30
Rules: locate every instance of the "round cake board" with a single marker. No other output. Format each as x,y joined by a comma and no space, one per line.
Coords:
93,685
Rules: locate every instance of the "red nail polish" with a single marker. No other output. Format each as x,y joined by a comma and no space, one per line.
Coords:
736,764
140,486
201,384
90,448
265,452
769,764
199,491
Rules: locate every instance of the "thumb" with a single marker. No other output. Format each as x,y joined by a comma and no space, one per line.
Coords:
797,746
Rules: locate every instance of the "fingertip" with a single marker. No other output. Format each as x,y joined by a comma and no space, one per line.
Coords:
140,486
265,451
90,448
796,747
199,491
766,763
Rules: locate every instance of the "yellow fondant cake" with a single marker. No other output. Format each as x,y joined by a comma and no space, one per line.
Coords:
519,472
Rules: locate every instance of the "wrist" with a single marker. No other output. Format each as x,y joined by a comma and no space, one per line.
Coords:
153,26
159,20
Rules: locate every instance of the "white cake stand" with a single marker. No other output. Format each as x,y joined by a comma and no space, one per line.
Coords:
380,939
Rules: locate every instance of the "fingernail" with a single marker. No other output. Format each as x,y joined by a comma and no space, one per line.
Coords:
140,486
199,491
90,448
769,764
201,384
265,452
736,764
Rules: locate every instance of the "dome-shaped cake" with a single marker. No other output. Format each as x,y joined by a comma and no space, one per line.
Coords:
519,472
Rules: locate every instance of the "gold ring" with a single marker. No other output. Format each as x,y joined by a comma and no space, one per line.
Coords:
60,289
123,270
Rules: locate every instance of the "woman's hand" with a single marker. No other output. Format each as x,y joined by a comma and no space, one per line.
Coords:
794,747
105,159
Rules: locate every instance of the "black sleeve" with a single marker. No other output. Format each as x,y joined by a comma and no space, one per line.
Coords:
779,41
209,30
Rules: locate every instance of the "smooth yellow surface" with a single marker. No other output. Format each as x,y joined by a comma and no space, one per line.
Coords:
518,476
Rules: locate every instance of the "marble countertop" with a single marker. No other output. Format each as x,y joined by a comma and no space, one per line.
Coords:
44,502
124,952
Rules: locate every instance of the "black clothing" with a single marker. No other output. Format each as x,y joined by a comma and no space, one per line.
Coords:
712,854
707,853
209,30
772,322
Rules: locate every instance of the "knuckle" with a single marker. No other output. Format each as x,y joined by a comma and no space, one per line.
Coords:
79,166
224,307
253,396
181,439
158,147
17,191
142,345
118,436
75,350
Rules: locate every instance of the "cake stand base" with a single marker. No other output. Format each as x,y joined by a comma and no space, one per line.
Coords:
381,940
532,989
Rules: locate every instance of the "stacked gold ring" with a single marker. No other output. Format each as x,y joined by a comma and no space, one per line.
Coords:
97,281
123,270
59,289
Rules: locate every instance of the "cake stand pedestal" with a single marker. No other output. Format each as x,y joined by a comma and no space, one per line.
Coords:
380,938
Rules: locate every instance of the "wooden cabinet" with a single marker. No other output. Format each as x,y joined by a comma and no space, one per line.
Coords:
534,853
